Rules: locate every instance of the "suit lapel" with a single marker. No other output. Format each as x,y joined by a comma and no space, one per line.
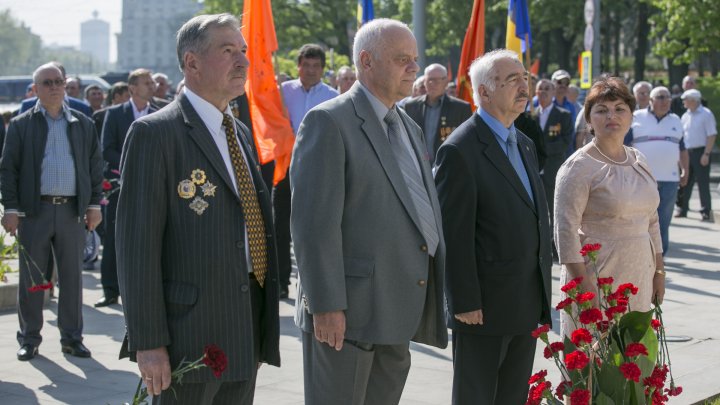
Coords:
499,159
202,137
378,139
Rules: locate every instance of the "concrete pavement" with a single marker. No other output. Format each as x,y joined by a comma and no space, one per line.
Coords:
690,310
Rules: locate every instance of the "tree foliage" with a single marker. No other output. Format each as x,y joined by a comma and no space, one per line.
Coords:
19,47
685,29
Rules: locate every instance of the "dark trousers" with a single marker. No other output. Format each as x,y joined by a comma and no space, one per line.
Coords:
491,370
701,174
222,392
281,217
550,170
56,227
360,373
108,266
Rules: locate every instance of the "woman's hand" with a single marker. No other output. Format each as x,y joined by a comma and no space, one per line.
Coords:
658,288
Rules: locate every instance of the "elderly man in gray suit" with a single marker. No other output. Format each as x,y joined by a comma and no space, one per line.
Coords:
367,230
195,244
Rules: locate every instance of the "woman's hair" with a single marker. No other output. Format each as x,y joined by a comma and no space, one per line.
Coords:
608,89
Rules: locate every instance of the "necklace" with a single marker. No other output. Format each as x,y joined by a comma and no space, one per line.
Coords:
606,156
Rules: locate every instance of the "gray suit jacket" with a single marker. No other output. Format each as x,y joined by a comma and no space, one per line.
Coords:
357,237
183,274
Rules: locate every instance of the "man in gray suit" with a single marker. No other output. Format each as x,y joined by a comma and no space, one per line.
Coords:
51,176
195,245
367,230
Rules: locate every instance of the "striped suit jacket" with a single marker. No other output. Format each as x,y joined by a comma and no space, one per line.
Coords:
181,249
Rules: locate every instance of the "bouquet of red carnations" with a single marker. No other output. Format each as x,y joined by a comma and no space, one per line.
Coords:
614,355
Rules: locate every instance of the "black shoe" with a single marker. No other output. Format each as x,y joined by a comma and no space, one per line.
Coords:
707,217
680,214
27,352
106,301
76,349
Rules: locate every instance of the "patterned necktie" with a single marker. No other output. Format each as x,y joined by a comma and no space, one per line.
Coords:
514,155
250,205
414,182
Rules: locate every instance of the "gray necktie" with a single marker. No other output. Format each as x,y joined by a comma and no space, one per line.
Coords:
414,182
514,155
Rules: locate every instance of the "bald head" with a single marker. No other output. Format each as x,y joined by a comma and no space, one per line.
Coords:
435,81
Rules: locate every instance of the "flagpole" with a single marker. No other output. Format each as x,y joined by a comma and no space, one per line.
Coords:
528,64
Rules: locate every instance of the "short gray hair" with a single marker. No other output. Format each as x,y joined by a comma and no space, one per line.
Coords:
370,37
483,72
436,66
659,89
47,66
158,74
193,35
640,84
548,81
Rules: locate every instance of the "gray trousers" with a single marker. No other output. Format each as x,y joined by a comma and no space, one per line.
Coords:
58,229
360,373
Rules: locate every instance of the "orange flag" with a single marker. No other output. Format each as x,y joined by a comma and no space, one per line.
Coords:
473,47
271,128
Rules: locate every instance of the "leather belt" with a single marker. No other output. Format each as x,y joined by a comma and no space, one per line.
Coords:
57,200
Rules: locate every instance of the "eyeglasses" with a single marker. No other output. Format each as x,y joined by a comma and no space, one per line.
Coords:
53,82
433,80
563,82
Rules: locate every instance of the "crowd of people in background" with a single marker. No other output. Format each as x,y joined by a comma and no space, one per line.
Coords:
570,165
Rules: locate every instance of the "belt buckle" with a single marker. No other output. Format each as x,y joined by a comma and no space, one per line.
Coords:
58,200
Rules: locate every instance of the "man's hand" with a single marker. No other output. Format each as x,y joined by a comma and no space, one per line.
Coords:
330,328
704,160
10,223
471,318
684,178
154,368
93,218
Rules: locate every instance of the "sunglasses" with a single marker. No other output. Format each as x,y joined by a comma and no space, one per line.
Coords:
50,82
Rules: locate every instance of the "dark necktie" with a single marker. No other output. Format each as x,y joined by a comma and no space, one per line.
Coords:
514,156
414,182
250,205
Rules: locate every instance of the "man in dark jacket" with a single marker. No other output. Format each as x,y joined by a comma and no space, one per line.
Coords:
51,179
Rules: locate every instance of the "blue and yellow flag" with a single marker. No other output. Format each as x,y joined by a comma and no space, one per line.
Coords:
365,12
518,25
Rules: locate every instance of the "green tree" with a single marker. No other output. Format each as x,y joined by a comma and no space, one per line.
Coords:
20,48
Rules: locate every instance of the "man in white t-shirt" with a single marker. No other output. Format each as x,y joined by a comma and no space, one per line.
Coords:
658,134
700,131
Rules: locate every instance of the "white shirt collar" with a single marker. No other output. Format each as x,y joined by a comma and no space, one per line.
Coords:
209,114
138,112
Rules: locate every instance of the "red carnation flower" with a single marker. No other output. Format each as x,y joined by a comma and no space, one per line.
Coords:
535,395
602,326
537,377
215,359
584,297
657,378
581,335
627,289
616,310
580,397
605,281
553,348
591,315
562,388
540,331
564,304
106,185
635,349
576,360
674,391
590,247
630,371
571,285
41,287
655,324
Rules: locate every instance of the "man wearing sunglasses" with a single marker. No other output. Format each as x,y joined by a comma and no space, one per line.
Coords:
51,184
74,103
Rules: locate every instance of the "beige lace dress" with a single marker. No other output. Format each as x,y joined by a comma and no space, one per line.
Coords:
613,205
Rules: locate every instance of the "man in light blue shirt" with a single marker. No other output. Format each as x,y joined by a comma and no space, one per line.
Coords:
300,96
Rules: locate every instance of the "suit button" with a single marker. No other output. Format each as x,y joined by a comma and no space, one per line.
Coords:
244,288
423,248
240,244
421,283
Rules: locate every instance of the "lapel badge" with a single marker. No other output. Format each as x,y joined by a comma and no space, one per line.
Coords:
186,189
198,205
208,189
198,176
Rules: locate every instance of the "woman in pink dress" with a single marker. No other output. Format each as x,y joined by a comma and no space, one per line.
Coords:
605,193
